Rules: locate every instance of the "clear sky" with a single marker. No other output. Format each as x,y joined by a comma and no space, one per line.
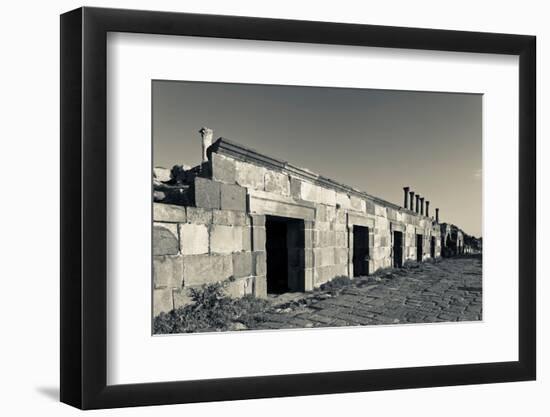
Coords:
376,140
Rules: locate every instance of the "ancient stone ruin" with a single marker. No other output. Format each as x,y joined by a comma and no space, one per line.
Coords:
268,226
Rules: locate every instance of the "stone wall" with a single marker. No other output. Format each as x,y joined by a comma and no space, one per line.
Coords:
222,235
195,245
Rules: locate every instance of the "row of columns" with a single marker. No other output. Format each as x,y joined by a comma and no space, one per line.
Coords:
417,203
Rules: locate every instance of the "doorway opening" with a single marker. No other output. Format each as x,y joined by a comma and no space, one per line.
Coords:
419,248
284,254
432,247
397,249
360,251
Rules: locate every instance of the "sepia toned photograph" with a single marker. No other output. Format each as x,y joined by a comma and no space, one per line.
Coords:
294,207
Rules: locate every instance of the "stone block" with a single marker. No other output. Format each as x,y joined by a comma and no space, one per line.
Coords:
223,169
320,213
207,193
310,192
165,239
204,269
306,258
181,297
323,274
323,257
226,239
193,239
380,210
327,196
308,238
357,204
258,239
243,264
229,217
295,188
341,256
260,286
247,239
233,197
199,215
237,288
161,174
249,175
369,206
343,200
308,279
162,301
169,213
258,220
277,182
260,264
341,239
167,271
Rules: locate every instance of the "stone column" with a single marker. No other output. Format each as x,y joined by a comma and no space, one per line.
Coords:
406,190
437,215
207,135
417,206
411,206
427,209
422,205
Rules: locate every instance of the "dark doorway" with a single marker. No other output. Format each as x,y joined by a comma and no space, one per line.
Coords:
397,249
432,247
419,248
284,246
360,251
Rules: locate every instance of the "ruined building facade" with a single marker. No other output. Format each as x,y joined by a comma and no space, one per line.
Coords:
265,226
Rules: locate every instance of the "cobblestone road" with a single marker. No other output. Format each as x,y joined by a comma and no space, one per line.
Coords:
449,290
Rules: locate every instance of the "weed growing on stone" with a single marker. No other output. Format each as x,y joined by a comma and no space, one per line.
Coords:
212,310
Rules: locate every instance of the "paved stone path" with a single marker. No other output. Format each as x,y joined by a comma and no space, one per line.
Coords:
449,290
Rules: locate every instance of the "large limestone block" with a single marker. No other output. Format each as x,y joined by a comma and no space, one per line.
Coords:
341,239
260,263
343,200
169,213
165,239
226,239
248,175
229,217
168,271
161,174
323,257
247,238
233,197
162,301
258,238
181,297
193,239
199,215
205,269
223,169
380,211
357,204
243,265
277,182
207,193
341,256
328,196
308,279
295,188
370,207
260,286
323,274
310,192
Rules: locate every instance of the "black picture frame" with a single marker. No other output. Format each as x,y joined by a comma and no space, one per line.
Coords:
84,207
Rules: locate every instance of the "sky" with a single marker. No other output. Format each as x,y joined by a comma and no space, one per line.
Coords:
375,140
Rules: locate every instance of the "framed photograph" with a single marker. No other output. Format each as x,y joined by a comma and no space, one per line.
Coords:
257,208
